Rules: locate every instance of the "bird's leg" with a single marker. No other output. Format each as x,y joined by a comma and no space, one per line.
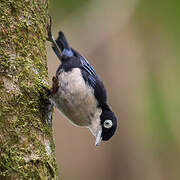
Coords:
55,85
54,88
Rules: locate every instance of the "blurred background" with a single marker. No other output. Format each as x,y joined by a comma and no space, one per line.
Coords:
134,47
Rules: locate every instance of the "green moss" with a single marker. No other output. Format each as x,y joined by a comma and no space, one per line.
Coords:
23,74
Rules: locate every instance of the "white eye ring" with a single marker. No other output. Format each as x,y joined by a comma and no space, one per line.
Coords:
108,123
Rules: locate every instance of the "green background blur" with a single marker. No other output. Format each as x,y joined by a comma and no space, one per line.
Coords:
134,46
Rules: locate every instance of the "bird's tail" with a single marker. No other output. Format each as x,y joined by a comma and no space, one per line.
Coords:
62,42
63,45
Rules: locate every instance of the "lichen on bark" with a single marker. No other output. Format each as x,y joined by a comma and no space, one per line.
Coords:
26,141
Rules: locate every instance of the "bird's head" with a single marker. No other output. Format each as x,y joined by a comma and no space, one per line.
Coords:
104,130
108,126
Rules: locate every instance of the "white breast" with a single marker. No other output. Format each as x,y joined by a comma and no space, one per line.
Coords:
75,99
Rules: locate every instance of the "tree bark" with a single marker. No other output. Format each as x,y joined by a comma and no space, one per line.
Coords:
26,141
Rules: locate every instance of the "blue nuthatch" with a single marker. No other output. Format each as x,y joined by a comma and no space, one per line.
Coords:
79,93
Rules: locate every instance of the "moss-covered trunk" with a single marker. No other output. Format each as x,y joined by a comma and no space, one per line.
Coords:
26,142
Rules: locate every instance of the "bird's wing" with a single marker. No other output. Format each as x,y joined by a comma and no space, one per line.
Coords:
73,59
90,75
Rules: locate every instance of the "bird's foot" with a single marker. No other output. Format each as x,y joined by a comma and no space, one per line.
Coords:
55,85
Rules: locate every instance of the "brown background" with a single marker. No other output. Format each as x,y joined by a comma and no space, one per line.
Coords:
135,53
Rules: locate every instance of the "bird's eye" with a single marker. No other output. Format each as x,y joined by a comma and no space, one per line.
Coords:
108,123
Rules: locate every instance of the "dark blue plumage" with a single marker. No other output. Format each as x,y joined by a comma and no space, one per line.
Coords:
100,119
72,59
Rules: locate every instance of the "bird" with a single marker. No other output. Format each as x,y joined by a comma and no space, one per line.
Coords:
79,93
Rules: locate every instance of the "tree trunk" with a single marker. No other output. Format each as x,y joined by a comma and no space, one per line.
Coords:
26,141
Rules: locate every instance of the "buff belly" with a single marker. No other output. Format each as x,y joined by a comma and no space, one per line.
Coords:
75,99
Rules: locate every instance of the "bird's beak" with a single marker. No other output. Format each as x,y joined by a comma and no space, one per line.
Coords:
98,137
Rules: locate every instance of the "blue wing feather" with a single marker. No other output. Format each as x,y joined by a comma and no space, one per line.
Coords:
92,81
87,66
91,73
92,76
